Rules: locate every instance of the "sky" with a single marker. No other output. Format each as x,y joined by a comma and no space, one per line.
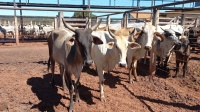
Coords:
79,2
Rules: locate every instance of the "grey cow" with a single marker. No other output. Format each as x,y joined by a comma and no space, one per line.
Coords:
182,55
71,50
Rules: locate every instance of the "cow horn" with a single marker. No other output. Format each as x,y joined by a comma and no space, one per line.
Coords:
159,35
176,32
87,23
132,32
96,25
68,26
162,29
111,34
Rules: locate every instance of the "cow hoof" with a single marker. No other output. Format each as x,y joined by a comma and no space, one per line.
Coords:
131,81
137,80
71,111
77,99
71,107
103,99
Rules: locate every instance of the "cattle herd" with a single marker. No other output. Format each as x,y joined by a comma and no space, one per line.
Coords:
29,31
107,47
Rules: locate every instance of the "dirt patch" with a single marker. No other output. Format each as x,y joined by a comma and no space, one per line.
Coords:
25,86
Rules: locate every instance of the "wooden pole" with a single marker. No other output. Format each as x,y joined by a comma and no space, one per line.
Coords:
155,19
89,15
21,26
182,19
152,67
60,16
16,27
124,20
55,23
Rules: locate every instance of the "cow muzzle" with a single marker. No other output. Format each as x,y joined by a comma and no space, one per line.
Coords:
148,48
122,65
88,62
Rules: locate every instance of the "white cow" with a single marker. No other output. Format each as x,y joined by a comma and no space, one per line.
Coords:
9,30
31,30
145,38
163,49
107,55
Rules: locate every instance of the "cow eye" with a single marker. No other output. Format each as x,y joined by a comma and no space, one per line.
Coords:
168,34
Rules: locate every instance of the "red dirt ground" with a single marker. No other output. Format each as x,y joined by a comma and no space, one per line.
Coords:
25,86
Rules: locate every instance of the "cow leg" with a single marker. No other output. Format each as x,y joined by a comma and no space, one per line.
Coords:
71,90
52,72
134,69
184,69
130,74
77,83
63,77
177,68
101,82
146,55
158,59
166,61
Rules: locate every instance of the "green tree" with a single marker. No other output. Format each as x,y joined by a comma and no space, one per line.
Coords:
80,14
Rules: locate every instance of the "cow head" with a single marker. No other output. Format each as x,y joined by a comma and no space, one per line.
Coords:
85,40
122,36
184,48
171,37
145,36
193,34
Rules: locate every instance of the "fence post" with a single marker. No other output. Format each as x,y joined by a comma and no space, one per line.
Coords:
124,20
183,19
152,67
5,23
55,23
155,19
87,22
60,16
16,31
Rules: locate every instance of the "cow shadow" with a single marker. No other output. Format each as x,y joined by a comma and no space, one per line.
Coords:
143,67
42,62
194,58
86,95
110,79
90,70
158,101
163,72
47,95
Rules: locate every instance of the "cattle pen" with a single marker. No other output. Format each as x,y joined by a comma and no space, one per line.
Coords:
25,81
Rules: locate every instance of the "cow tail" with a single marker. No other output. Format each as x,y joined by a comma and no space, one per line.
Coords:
48,64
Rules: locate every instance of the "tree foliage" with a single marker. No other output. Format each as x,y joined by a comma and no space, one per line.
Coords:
80,14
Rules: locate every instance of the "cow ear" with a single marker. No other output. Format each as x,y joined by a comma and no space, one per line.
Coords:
159,35
110,45
70,42
97,40
135,36
134,45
